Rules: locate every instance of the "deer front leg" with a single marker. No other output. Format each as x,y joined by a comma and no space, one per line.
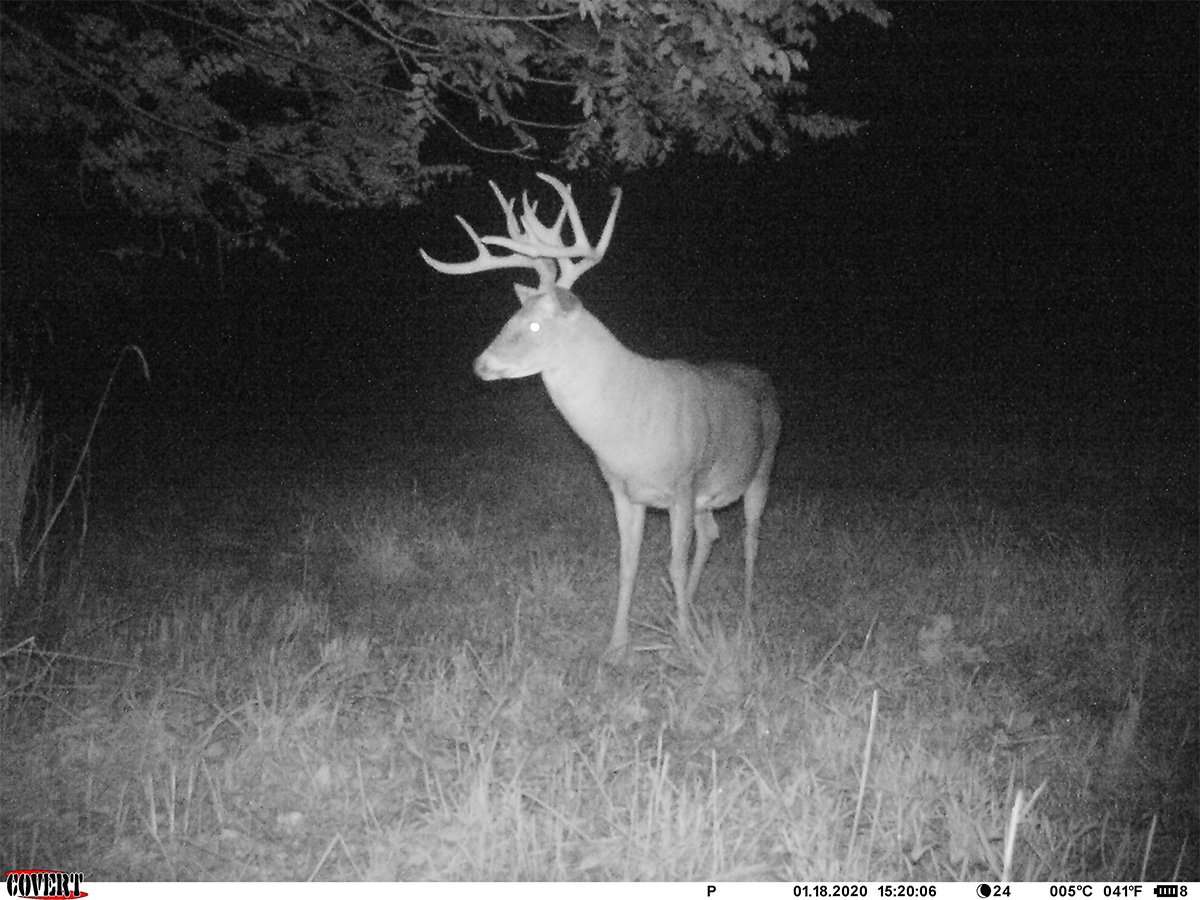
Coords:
630,519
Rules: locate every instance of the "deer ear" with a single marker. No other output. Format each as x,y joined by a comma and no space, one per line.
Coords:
525,293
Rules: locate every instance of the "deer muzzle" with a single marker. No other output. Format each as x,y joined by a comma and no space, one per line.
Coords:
485,369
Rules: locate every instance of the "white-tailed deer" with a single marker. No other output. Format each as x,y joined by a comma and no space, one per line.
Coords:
668,434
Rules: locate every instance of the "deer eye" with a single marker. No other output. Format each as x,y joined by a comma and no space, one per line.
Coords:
535,327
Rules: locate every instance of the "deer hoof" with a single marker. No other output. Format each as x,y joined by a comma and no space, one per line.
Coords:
616,655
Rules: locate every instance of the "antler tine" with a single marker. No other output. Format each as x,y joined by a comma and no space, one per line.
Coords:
609,224
463,268
534,228
510,219
569,208
541,241
486,261
571,269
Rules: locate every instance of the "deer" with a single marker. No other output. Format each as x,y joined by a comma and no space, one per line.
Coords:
667,434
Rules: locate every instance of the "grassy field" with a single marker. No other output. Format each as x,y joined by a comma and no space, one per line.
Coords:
365,646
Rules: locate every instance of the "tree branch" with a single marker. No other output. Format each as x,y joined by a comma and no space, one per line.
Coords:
495,17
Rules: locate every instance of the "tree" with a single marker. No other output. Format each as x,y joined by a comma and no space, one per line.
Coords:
205,111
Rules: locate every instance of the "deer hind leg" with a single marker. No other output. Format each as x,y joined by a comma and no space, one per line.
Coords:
681,541
630,519
755,498
754,502
706,533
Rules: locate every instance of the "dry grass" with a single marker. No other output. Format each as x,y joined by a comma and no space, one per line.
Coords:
20,437
381,663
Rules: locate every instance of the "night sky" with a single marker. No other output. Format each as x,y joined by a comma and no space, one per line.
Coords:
1014,232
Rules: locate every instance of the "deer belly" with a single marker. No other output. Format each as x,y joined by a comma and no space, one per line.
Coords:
650,487
716,468
646,493
718,499
712,490
724,484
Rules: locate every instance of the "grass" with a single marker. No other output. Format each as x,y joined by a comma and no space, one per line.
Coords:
20,435
368,649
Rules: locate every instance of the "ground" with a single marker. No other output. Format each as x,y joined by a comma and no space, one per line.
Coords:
364,644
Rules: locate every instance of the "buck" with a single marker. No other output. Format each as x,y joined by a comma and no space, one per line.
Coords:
686,438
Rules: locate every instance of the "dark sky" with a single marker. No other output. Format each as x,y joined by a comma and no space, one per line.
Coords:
1024,196
1019,219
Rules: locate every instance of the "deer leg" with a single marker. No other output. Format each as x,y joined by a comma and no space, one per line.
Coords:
754,501
681,541
706,533
630,519
756,494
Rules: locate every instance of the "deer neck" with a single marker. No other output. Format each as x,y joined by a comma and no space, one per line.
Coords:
594,381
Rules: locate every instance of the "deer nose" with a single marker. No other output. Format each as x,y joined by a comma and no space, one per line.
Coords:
483,369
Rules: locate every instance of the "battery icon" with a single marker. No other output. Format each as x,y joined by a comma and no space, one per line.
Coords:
1166,890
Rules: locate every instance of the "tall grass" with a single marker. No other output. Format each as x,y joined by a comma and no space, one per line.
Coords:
20,439
315,669
32,506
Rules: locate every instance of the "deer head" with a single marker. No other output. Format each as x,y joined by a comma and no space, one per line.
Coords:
535,338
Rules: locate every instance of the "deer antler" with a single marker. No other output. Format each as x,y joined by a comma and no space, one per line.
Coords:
533,244
486,260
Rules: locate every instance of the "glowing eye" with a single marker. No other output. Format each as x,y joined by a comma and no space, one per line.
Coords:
535,327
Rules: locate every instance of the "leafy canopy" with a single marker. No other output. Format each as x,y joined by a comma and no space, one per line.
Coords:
203,110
